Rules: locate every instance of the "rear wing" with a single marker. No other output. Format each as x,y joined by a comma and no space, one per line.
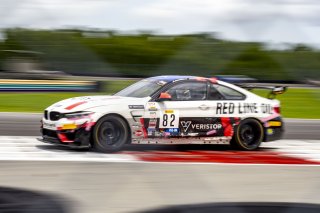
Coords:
274,90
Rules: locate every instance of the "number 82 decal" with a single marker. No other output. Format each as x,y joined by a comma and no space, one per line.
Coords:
169,119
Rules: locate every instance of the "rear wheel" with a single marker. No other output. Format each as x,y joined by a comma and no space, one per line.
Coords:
110,134
248,135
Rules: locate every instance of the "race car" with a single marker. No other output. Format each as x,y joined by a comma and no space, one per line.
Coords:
166,110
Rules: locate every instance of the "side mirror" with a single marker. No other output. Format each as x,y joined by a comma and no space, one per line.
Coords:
164,97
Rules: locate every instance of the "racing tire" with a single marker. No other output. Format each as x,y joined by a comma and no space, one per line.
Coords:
110,134
248,135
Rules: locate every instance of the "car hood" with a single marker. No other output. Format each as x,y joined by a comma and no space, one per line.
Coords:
90,102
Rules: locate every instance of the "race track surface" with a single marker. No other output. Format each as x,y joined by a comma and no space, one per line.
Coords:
144,176
94,187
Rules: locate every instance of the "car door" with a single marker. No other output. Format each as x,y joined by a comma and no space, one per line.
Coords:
227,107
186,113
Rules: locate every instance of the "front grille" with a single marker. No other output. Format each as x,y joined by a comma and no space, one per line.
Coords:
54,116
49,133
46,114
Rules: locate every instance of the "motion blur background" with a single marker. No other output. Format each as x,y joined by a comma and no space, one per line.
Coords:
267,40
111,43
56,49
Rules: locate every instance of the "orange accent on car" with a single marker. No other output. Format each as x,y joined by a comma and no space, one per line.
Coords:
165,95
75,105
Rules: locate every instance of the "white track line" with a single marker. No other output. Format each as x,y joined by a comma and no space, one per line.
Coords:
27,148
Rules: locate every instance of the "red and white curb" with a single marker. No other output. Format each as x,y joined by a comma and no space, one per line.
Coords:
302,152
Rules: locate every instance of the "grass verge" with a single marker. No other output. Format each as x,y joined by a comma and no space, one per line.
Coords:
295,103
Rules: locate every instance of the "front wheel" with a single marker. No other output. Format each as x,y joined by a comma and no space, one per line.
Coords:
110,134
248,135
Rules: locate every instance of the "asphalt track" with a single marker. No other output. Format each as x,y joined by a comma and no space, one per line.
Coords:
94,187
130,187
21,124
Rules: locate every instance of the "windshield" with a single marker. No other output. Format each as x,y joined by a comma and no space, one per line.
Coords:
140,89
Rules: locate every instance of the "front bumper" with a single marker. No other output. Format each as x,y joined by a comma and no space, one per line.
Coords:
79,138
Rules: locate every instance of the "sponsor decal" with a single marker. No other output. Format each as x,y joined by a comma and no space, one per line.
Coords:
185,125
153,115
152,123
152,109
266,108
138,133
242,108
172,130
193,126
136,107
211,132
193,134
205,126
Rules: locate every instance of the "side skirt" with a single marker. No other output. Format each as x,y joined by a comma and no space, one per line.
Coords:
202,140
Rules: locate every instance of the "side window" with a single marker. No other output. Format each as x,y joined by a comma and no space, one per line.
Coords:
189,91
214,94
219,92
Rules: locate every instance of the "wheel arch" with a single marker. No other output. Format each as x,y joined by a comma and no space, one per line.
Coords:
117,115
248,118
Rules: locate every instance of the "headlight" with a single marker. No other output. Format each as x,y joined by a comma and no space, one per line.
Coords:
77,115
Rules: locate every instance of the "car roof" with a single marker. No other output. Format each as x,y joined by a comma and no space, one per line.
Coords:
171,78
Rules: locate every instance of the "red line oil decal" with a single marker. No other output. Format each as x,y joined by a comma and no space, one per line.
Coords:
75,105
241,157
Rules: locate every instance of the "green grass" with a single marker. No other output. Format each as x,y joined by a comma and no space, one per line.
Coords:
38,101
295,103
298,103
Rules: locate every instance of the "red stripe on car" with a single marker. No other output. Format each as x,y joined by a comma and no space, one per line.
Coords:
75,105
226,124
145,135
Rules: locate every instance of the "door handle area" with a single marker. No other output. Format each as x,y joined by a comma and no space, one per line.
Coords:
204,107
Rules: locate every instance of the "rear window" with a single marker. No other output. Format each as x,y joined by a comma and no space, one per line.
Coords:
220,92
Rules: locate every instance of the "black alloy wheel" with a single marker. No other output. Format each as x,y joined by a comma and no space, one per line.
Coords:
110,134
248,135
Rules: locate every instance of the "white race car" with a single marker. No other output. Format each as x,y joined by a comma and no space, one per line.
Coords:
165,110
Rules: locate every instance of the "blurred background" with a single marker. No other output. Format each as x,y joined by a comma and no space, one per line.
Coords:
57,49
266,40
107,45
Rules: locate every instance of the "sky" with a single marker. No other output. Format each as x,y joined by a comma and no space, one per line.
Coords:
288,21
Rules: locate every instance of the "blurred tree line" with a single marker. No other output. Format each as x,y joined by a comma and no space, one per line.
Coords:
110,53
